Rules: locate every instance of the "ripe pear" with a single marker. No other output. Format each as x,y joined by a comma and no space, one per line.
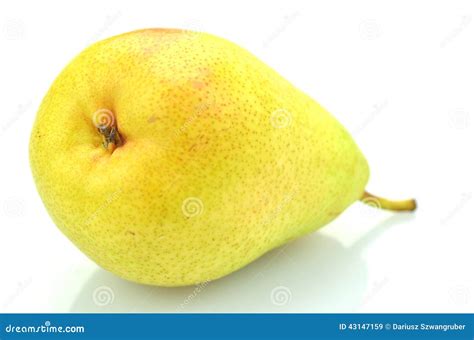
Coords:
172,157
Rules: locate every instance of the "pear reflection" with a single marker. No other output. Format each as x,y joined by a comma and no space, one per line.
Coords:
313,274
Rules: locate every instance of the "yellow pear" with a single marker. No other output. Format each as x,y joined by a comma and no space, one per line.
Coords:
172,157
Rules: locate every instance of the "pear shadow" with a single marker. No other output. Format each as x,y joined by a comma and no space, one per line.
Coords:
313,274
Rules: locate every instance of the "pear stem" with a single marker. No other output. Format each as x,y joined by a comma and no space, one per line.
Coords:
383,203
111,137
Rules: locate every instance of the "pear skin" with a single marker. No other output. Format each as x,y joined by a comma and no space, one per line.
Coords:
172,157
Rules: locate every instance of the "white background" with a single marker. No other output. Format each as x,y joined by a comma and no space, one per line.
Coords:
399,76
